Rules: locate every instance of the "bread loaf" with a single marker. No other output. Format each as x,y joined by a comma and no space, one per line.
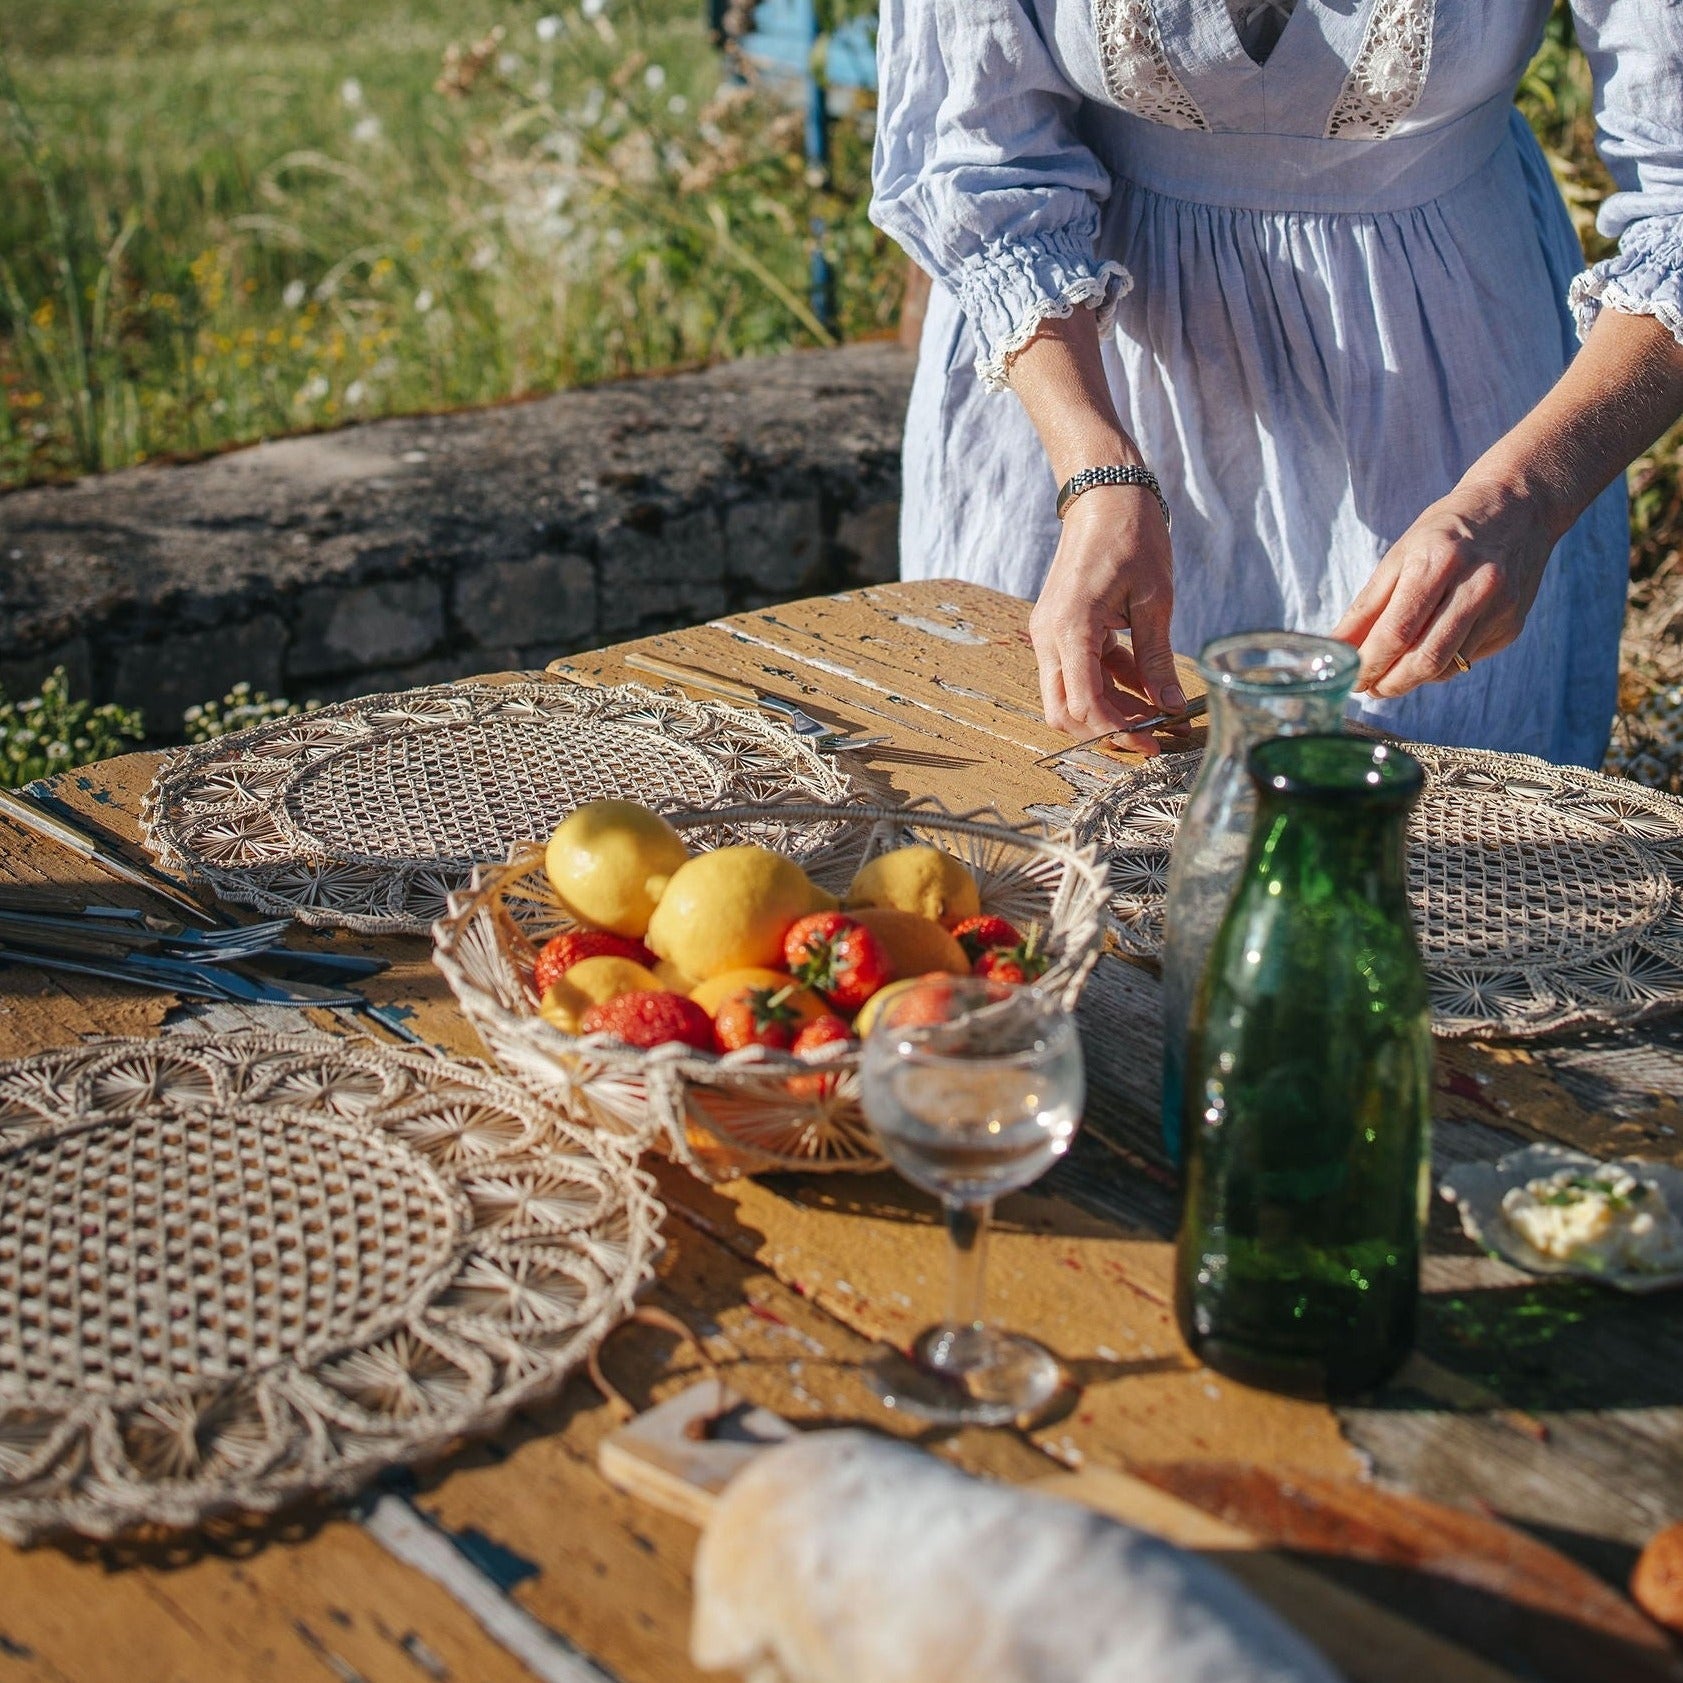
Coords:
840,1557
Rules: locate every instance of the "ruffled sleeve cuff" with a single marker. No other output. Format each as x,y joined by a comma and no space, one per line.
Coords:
1011,288
1645,278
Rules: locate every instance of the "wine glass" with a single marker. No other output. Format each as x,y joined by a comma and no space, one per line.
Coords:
974,1088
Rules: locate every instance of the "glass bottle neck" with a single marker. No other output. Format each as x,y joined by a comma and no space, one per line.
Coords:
1243,715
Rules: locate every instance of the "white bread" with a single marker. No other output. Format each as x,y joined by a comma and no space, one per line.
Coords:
840,1557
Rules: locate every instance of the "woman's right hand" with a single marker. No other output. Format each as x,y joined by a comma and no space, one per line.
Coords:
1102,619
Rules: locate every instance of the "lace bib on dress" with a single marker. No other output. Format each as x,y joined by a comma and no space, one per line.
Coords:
1383,86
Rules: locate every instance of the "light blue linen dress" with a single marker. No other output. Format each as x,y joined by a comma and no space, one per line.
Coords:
1326,283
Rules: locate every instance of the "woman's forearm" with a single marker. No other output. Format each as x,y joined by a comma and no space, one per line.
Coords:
1622,390
1059,377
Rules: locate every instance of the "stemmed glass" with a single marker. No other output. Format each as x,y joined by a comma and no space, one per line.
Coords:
974,1089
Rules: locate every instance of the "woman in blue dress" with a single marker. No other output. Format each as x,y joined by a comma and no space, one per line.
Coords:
1302,263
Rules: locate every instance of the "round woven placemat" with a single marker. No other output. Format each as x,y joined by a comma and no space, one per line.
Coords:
370,813
236,1271
1544,895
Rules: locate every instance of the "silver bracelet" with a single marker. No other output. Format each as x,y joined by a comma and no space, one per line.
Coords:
1087,478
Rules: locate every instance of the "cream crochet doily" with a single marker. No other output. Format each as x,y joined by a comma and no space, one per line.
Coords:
369,814
234,1271
1544,895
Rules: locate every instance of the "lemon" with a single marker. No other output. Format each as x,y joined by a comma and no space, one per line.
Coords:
673,979
729,910
880,1001
917,879
610,861
915,945
590,982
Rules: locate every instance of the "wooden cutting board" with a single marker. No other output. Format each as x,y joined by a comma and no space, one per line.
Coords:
1391,1588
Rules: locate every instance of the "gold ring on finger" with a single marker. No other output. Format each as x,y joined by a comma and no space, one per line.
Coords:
1462,664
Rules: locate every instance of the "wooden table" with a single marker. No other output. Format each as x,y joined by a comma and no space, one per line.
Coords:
1555,1406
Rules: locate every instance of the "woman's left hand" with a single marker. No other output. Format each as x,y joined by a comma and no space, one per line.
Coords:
1459,581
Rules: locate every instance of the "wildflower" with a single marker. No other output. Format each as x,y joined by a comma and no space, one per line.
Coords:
423,301
654,78
592,9
366,130
548,27
677,105
355,392
483,256
350,93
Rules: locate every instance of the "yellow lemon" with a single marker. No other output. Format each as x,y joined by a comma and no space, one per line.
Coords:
917,879
610,861
729,909
879,1002
590,982
915,945
673,979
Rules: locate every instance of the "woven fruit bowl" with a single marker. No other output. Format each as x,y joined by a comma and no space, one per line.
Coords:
755,1110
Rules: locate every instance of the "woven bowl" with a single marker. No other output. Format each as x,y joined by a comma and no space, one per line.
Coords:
755,1110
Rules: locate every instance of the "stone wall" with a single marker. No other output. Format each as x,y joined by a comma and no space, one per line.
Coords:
418,550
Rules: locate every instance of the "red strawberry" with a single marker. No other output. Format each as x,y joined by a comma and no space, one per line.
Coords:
1021,963
758,1017
827,1030
561,952
651,1019
837,956
978,935
821,1031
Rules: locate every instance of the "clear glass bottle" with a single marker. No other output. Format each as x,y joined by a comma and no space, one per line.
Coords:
1262,684
1308,1091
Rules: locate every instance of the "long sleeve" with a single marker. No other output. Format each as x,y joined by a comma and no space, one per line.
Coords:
1635,49
979,173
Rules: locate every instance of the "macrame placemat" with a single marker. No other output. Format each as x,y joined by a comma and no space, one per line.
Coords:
1544,895
236,1271
368,814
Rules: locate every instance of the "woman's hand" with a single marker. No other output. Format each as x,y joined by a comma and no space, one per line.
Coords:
1111,574
1462,578
1459,581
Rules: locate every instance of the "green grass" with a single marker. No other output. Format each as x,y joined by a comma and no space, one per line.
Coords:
223,221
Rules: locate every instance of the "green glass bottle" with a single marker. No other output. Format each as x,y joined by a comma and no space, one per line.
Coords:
1309,1085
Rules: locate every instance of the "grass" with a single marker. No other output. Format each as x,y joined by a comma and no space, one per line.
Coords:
222,222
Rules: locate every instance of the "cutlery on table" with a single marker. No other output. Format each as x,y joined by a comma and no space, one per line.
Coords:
1194,709
55,826
180,976
811,730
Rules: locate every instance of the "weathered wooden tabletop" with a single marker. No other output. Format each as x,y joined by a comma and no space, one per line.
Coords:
1558,1407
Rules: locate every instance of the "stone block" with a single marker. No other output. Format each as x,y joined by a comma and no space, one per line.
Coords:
21,675
868,540
167,677
365,627
672,577
776,546
549,598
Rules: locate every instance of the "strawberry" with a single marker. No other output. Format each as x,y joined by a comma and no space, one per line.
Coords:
651,1019
978,935
561,952
827,1030
758,1017
1021,963
821,1031
837,956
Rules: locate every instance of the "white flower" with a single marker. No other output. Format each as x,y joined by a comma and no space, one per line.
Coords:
677,105
355,392
313,389
293,294
508,63
366,130
654,78
592,8
423,300
549,27
483,256
350,93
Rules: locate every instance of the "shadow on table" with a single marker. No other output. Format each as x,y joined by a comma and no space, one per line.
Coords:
1519,1633
1552,1345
